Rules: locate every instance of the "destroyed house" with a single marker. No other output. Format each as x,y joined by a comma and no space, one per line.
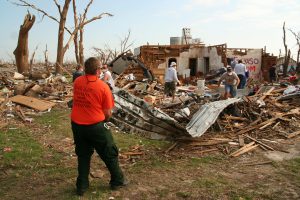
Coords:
196,60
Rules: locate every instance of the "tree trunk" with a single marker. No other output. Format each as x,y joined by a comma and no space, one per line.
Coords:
21,52
286,51
298,62
286,63
76,34
81,55
60,43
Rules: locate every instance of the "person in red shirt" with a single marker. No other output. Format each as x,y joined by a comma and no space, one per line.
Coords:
92,107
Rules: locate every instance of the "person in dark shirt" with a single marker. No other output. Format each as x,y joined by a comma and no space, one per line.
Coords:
272,73
79,72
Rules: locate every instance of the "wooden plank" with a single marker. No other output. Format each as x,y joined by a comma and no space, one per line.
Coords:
244,147
171,147
206,151
266,94
264,145
274,127
266,125
208,143
244,150
236,118
291,135
37,104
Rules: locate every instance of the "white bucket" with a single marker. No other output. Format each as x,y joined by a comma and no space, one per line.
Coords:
201,87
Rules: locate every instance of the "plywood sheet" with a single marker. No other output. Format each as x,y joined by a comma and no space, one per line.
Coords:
37,104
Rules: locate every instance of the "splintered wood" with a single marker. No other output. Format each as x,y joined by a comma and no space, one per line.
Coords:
238,133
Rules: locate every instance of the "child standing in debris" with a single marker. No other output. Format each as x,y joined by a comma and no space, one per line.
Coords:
231,82
171,80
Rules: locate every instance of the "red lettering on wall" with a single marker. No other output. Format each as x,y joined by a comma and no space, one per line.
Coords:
251,68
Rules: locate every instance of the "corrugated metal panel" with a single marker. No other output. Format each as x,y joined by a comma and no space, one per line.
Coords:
206,116
138,116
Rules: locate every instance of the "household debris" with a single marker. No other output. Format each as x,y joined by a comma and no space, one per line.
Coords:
233,126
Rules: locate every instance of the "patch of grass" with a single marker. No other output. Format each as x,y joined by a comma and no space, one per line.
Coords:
240,196
161,193
24,167
195,161
292,170
57,121
215,185
183,195
125,141
21,145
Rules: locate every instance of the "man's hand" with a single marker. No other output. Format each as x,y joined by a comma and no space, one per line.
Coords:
107,114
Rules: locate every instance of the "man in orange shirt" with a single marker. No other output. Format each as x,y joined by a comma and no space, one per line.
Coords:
92,105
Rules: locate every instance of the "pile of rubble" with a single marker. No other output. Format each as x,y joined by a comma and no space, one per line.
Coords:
21,97
272,113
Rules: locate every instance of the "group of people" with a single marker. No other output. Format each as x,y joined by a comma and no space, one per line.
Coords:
234,78
92,107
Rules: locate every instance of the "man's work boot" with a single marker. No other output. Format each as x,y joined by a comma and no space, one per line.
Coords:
116,187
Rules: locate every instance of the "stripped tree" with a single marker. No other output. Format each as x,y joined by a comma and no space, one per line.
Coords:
108,54
61,48
21,52
287,54
297,37
78,45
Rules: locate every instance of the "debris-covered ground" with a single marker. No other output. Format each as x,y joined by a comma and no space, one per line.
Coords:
246,148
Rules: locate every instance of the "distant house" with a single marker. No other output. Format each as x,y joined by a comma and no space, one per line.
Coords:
292,62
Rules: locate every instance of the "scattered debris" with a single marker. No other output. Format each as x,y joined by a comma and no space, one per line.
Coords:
198,120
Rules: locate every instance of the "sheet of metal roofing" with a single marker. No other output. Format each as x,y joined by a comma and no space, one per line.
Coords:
206,116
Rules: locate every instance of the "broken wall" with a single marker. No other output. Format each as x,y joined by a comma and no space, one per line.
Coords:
215,60
194,52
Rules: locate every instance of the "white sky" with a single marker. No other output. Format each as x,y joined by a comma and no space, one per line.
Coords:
239,23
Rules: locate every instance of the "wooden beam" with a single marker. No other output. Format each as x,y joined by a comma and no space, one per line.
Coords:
291,135
262,144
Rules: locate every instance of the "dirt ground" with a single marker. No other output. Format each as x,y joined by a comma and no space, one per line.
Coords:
48,170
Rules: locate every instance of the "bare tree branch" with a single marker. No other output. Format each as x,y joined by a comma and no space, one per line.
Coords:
86,10
31,60
26,4
297,37
81,25
58,6
124,46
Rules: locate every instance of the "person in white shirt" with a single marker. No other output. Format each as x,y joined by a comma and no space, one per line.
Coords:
240,69
171,80
107,77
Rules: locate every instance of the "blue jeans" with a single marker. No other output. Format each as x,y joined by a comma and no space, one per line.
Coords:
242,81
230,89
